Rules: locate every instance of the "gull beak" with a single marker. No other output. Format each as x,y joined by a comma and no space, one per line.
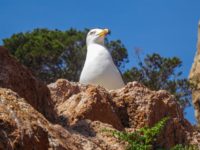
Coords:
104,33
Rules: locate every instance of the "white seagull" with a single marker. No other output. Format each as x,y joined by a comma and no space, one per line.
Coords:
99,68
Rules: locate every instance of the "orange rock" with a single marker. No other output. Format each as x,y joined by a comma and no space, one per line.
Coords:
22,127
17,77
138,107
89,102
80,113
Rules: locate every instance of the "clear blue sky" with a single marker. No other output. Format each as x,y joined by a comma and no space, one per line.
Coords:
167,27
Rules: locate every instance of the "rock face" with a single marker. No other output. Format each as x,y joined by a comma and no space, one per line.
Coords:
80,113
143,107
18,78
22,127
88,102
195,78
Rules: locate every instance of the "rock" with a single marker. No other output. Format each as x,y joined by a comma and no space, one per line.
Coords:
89,102
195,79
22,127
15,76
177,131
61,90
131,107
70,116
93,130
138,107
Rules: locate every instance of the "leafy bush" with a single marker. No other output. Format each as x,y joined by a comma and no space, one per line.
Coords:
181,147
144,138
141,139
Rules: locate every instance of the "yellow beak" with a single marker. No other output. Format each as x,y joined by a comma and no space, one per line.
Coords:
104,32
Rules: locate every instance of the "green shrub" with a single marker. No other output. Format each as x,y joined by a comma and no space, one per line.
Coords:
141,139
144,138
187,147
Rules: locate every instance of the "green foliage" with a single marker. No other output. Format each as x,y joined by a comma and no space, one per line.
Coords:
141,139
181,147
158,73
53,54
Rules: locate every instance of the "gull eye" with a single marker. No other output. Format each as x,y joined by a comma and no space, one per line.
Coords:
93,32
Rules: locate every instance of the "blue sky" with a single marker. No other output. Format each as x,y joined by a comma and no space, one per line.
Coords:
167,27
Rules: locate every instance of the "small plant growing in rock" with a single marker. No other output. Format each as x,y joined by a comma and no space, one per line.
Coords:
141,139
181,147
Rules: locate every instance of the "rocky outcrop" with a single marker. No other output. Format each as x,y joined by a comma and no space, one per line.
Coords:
18,78
133,106
87,102
143,107
71,116
22,127
195,78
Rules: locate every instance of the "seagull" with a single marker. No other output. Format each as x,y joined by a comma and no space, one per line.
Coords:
99,68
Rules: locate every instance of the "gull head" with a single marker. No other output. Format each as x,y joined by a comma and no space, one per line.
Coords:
96,36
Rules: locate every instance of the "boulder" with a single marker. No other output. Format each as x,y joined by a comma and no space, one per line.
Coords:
18,78
139,107
75,102
22,128
195,79
129,108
